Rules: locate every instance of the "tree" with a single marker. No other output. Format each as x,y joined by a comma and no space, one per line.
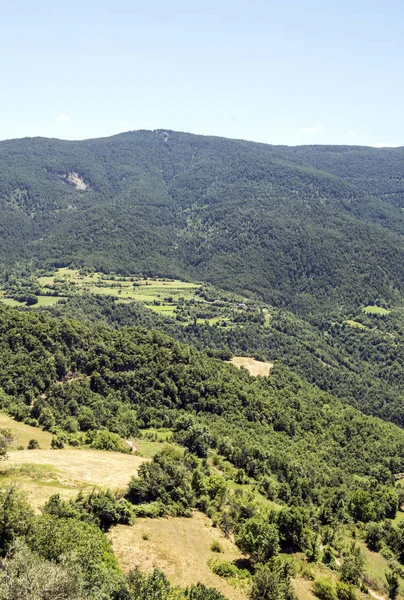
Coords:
53,538
259,538
25,576
16,517
374,536
272,582
313,548
6,437
393,584
352,566
144,586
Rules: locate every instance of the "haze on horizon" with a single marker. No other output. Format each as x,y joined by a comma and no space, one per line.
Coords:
290,73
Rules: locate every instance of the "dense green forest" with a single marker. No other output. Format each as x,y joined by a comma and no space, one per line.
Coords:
360,361
313,228
133,378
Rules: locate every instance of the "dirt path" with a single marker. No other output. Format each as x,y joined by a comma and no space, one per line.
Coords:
376,595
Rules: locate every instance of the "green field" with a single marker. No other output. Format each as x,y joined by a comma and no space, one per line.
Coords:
376,310
42,301
169,298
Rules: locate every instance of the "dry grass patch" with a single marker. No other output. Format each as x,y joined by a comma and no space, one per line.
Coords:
303,589
42,473
255,367
178,546
83,467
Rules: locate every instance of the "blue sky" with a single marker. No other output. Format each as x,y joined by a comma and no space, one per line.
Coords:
280,72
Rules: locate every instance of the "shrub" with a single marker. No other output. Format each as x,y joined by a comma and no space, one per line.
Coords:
345,591
216,547
105,440
33,445
57,442
329,558
224,568
324,589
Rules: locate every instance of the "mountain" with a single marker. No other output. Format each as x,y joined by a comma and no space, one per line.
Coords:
313,228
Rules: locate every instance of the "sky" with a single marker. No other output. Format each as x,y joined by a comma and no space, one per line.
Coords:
279,72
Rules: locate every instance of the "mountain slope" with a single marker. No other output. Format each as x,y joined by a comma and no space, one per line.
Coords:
308,227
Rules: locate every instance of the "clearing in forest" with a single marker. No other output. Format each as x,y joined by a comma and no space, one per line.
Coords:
376,310
255,367
42,473
179,546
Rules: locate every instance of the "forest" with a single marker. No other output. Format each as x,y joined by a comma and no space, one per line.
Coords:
315,228
318,464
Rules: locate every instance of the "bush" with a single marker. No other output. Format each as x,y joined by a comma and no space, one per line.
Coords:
345,591
329,558
216,547
105,440
223,568
226,569
57,443
324,589
33,445
201,592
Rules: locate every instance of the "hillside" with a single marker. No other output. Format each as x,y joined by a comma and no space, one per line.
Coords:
313,228
67,375
292,482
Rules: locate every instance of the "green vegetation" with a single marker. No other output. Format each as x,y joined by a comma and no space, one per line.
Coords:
127,290
308,227
375,310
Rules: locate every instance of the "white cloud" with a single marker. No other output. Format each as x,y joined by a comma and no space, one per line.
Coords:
309,129
353,134
63,117
384,145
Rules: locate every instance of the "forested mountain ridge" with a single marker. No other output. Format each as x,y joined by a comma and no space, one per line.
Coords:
311,227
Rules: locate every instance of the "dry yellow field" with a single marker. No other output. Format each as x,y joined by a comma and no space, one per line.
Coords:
178,546
255,367
42,473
